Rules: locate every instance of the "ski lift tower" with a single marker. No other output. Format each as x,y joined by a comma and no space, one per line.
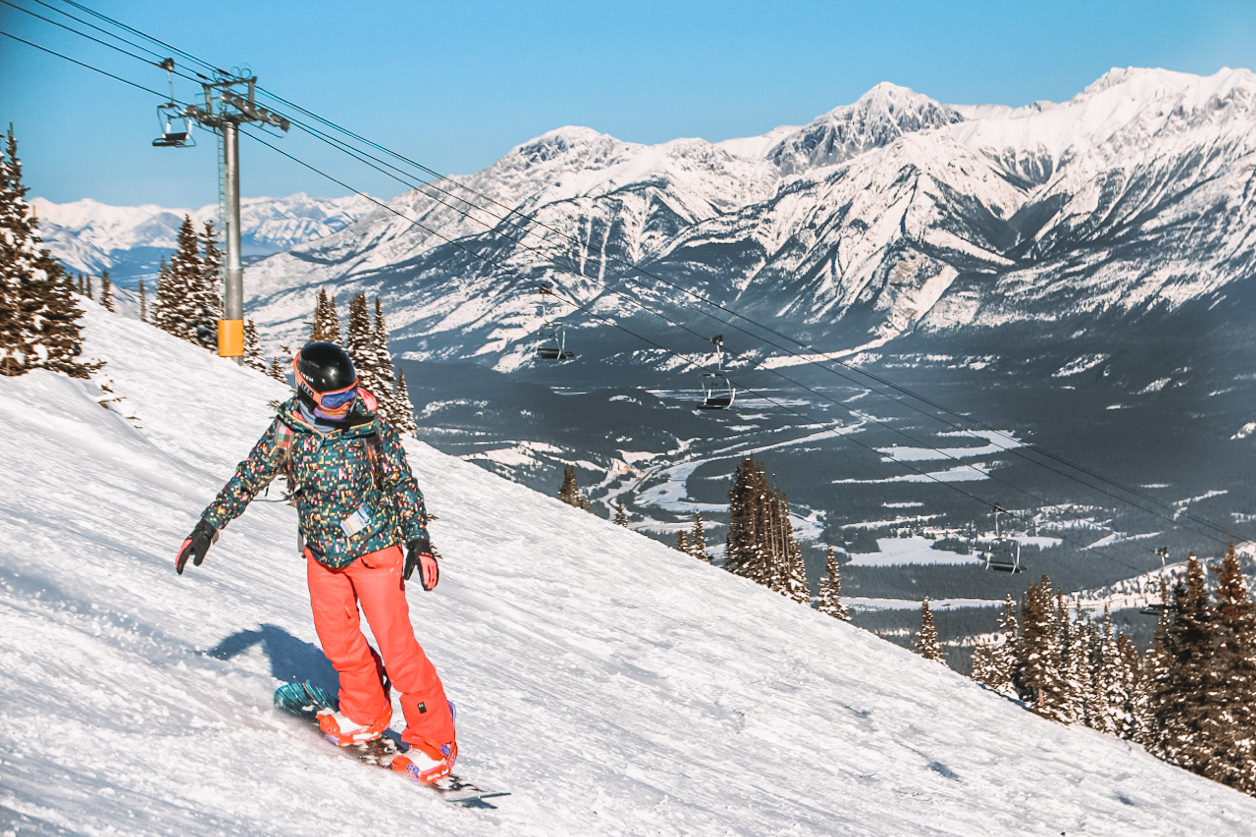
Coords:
229,103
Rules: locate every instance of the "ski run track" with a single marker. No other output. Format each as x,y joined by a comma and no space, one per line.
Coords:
612,684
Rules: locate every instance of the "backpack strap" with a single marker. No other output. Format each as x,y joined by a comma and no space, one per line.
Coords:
373,454
283,452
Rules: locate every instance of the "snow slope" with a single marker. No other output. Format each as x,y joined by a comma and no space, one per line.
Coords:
612,684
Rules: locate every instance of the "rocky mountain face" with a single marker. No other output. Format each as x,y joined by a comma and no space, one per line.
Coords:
894,215
128,241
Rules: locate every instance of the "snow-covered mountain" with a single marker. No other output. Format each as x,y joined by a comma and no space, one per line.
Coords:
90,236
613,685
891,215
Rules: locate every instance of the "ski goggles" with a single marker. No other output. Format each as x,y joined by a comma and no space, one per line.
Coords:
334,403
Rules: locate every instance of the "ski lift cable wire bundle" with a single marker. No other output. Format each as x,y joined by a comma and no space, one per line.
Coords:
1016,449
610,321
585,308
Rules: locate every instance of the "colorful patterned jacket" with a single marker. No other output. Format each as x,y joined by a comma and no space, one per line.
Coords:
350,499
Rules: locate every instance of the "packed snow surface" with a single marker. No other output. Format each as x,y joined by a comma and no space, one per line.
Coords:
613,685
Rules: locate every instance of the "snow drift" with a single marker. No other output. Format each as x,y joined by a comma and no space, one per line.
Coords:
613,685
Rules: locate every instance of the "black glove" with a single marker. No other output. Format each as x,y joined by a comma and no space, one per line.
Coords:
419,554
196,545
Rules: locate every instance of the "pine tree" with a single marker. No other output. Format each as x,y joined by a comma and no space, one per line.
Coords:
927,644
1187,697
1038,677
277,370
331,321
570,492
143,302
831,590
682,542
1129,674
358,342
1230,723
741,555
181,299
1074,662
164,301
790,557
90,294
621,514
316,321
996,665
403,407
39,319
253,348
381,362
324,326
106,291
697,540
206,304
1155,682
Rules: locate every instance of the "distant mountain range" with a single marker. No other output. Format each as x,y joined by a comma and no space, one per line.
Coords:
129,241
891,215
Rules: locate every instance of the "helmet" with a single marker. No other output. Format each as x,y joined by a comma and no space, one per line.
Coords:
325,367
326,380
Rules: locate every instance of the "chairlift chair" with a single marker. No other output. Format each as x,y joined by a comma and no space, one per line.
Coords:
551,342
1004,554
717,391
168,116
1157,608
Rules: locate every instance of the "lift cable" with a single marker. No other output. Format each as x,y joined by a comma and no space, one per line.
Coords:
1018,450
159,56
376,164
589,310
610,321
83,65
189,56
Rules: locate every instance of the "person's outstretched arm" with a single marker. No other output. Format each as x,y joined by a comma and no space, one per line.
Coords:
251,476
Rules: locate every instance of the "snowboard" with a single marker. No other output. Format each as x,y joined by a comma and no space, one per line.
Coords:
304,701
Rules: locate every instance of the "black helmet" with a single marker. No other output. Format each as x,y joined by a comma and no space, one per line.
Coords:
325,368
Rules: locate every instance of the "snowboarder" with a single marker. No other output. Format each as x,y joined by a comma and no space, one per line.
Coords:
357,501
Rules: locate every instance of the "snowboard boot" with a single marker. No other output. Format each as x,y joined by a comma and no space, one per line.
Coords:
340,730
426,763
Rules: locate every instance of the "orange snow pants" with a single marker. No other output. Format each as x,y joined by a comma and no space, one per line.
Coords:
374,580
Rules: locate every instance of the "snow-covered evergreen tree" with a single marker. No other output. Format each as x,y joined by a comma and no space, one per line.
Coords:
143,302
1230,720
358,341
403,407
1187,696
570,492
831,590
621,514
697,539
927,644
1039,679
39,319
682,542
106,292
277,370
207,289
253,348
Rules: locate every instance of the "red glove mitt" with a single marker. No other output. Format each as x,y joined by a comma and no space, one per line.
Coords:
419,554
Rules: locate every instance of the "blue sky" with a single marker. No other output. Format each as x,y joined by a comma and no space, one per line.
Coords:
457,84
